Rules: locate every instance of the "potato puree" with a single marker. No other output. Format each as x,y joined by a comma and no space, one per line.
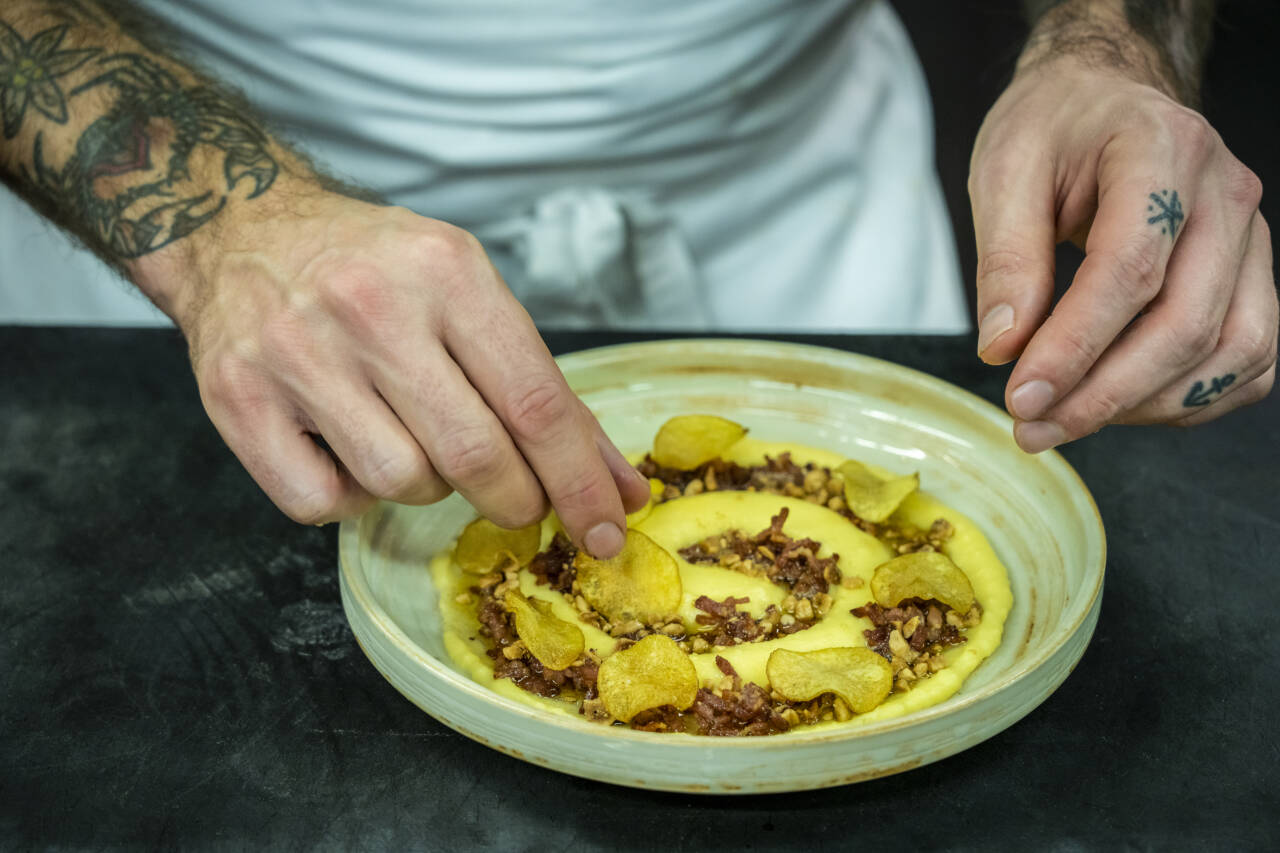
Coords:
684,521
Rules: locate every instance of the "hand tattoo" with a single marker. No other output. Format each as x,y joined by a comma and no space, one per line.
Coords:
1170,212
1199,395
28,70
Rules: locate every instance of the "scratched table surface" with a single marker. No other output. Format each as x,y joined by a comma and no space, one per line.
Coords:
177,670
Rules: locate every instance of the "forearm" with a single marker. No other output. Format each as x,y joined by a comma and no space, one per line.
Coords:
131,150
1160,42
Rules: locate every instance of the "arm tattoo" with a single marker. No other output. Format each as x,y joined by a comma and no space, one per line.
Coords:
1202,395
1177,31
1168,212
134,218
143,173
29,71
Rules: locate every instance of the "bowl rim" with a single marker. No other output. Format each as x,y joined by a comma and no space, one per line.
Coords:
348,558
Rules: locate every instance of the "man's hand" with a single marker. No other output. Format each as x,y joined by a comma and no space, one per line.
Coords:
1172,316
314,319
391,337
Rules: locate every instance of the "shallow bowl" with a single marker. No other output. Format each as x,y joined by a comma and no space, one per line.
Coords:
1035,510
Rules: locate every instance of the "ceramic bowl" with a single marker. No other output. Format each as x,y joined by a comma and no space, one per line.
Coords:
1036,512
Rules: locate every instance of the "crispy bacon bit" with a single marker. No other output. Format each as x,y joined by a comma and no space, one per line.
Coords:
913,635
554,566
932,628
773,554
811,482
666,718
527,673
728,476
736,709
729,626
496,623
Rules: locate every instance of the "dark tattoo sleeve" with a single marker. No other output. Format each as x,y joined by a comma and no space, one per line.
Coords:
1177,32
156,154
164,204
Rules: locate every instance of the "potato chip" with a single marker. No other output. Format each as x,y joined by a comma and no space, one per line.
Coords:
656,488
871,498
860,677
642,582
554,642
687,441
484,546
924,574
650,674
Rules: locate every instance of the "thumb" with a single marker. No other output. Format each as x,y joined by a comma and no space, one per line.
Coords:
1014,224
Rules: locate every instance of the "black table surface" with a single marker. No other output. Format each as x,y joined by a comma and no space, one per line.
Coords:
177,670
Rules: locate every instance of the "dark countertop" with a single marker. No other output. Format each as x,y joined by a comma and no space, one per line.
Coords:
177,669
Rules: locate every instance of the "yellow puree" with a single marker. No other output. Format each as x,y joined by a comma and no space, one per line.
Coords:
684,521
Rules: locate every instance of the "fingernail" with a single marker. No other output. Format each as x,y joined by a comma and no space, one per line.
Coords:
1039,436
1030,399
998,321
640,477
604,540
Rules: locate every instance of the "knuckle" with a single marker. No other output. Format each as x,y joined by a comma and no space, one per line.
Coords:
538,408
355,290
1243,187
1001,264
445,249
229,381
1092,412
1190,131
283,336
988,169
1193,340
311,507
1136,272
398,475
521,513
1257,344
584,489
471,457
1079,350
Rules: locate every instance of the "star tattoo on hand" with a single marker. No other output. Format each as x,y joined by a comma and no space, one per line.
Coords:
27,73
1170,212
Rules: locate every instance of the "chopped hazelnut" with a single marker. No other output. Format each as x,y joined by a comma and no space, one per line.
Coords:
900,647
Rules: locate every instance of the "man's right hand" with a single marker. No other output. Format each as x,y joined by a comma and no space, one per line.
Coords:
391,337
310,315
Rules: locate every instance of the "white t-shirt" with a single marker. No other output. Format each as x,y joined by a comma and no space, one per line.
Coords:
694,164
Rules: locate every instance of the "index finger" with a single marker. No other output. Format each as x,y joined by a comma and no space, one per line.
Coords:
521,383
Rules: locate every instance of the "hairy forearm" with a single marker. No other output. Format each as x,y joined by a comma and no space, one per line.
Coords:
1161,42
126,147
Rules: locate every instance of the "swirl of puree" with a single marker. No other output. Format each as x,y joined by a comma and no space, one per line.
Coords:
765,588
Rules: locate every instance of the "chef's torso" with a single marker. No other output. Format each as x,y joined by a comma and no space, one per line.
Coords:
710,164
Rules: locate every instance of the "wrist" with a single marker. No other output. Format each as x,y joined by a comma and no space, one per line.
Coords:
180,276
1097,37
